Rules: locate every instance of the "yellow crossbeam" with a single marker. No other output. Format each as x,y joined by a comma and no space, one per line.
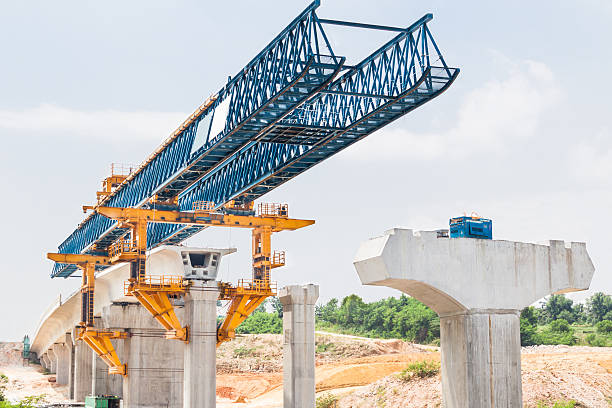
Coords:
79,259
199,217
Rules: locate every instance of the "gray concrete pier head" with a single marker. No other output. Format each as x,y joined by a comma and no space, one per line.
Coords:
478,288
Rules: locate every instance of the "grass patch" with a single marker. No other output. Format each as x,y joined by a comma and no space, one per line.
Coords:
327,401
557,404
243,351
419,369
324,347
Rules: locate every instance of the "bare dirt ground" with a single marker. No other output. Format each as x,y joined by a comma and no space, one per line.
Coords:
360,372
369,379
26,381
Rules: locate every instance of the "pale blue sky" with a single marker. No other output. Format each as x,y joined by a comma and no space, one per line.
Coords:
523,136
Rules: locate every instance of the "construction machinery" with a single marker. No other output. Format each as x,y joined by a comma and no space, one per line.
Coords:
472,226
294,105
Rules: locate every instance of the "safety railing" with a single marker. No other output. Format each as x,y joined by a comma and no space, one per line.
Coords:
118,169
203,206
273,210
257,285
123,246
278,258
166,283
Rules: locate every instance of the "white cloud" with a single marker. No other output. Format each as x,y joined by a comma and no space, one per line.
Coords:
105,124
591,160
489,118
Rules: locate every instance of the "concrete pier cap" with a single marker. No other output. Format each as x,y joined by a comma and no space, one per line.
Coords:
452,275
478,288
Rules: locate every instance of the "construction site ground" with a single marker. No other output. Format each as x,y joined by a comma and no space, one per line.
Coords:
363,373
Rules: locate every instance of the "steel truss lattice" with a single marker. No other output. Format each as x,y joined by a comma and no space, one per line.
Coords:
294,105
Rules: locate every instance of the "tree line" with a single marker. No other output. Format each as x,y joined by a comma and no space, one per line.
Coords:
554,321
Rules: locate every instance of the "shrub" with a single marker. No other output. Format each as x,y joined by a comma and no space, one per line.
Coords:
323,347
3,382
604,327
243,351
420,369
560,326
558,404
595,341
326,401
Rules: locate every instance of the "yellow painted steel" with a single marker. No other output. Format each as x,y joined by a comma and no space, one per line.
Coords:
202,217
98,340
154,293
244,298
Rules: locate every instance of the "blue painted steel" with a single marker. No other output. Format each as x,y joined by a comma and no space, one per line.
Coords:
471,227
294,105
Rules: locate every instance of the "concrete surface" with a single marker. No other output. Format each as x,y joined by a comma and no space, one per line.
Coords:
62,363
52,360
200,354
82,370
154,364
478,288
299,345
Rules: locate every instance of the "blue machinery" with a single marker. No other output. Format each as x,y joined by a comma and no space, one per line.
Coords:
294,105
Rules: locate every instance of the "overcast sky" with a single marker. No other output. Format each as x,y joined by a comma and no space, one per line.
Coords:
522,137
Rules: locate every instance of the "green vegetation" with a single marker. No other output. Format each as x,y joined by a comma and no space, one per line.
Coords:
404,318
260,321
419,369
326,401
558,404
557,320
243,351
27,402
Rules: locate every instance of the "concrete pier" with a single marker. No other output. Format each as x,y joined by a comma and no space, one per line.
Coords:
478,288
44,361
199,388
62,363
154,364
71,370
52,360
299,345
82,370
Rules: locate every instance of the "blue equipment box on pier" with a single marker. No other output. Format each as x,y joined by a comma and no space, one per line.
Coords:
471,227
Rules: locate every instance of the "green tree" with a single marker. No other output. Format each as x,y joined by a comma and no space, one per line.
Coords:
529,323
555,305
277,306
604,327
352,310
598,306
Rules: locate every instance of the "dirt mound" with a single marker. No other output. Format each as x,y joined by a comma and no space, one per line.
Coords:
10,354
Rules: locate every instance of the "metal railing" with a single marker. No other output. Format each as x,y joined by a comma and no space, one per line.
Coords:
166,283
273,210
278,258
203,206
118,169
121,247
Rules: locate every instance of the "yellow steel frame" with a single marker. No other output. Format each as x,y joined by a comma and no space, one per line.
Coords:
97,340
100,342
245,297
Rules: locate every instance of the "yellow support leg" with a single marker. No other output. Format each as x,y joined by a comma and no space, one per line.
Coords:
240,308
100,342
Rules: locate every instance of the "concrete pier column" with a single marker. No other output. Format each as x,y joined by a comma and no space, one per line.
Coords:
52,360
70,345
103,383
477,287
481,359
299,345
62,363
82,370
44,361
154,364
200,355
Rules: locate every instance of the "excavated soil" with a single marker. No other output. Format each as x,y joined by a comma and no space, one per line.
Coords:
362,373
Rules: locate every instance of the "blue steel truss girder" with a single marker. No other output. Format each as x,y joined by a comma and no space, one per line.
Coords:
288,110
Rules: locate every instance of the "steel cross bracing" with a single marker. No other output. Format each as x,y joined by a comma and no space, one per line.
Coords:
294,105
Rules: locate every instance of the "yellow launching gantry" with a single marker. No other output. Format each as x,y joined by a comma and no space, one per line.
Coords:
98,340
155,292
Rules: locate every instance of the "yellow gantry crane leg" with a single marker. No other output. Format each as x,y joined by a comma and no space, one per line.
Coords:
154,292
98,340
